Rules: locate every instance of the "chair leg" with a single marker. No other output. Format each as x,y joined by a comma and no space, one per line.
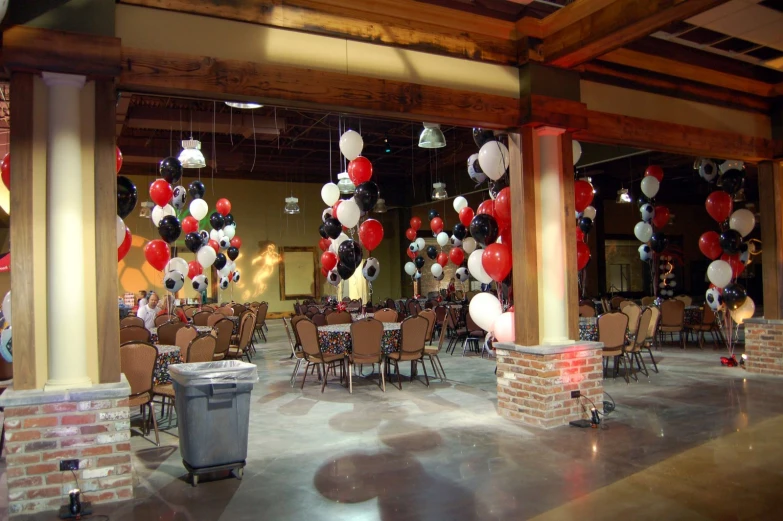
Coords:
323,384
383,376
655,365
625,366
629,360
350,375
424,366
643,369
443,371
434,368
296,371
397,371
305,374
154,423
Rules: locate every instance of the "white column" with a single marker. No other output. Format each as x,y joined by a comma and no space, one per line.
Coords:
554,319
65,240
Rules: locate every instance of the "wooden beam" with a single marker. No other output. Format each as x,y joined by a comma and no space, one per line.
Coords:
572,274
172,74
612,26
771,201
121,112
237,123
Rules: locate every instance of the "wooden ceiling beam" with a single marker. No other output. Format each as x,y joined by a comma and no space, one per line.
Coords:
580,38
240,122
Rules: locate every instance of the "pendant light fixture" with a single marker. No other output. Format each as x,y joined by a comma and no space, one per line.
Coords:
291,206
439,191
345,184
243,105
623,196
432,136
191,156
380,206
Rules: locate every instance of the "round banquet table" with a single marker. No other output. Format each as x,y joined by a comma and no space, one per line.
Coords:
336,339
199,329
167,355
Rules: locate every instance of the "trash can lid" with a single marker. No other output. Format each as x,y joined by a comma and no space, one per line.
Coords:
218,372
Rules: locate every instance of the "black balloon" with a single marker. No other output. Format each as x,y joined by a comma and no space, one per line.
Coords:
419,262
659,242
731,180
366,196
229,220
321,231
432,252
171,169
496,186
332,227
484,228
126,196
196,190
345,272
220,261
481,136
193,241
734,296
217,221
433,214
233,253
170,228
731,241
585,224
350,254
643,199
459,231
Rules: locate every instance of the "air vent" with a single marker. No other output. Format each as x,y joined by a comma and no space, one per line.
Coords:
765,53
737,45
703,36
777,5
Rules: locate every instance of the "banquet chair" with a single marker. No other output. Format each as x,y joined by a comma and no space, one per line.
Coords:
201,318
634,351
222,331
319,319
238,309
214,318
413,306
605,305
260,324
633,312
586,311
391,304
431,353
459,294
673,319
648,301
131,321
339,317
313,309
652,335
366,337
346,299
200,349
184,337
686,299
137,363
459,333
413,334
440,318
242,347
430,316
308,335
611,332
625,303
295,353
386,315
354,305
225,310
474,335
134,334
211,309
167,333
164,319
189,312
709,324
614,303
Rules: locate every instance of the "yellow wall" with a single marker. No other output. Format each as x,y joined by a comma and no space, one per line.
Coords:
257,207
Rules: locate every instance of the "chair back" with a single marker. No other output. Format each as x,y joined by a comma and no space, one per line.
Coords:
354,305
214,318
184,337
471,325
189,312
413,307
163,319
459,294
293,323
707,316
308,337
430,316
201,349
386,315
201,318
413,334
605,305
167,333
644,326
586,311
137,362
238,308
313,309
134,334
340,317
246,327
211,309
366,336
615,302
440,314
328,311
261,311
131,320
291,340
319,319
625,303
648,301
633,312
226,310
654,322
686,299
672,313
222,330
391,304
611,330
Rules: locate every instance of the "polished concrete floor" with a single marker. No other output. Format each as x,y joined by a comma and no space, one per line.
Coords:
696,442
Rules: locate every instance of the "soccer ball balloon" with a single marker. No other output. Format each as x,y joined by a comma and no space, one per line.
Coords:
333,278
371,269
178,199
223,282
235,278
414,247
224,242
173,281
714,299
455,242
200,283
462,275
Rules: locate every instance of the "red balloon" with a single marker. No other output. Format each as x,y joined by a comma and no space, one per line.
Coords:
214,245
360,170
334,208
124,248
5,170
580,235
709,244
194,269
505,236
719,205
457,256
236,242
466,216
487,207
583,195
415,224
371,234
324,272
157,253
496,261
189,225
223,206
328,260
737,266
410,233
661,218
442,259
503,207
411,254
436,225
161,192
118,159
654,171
582,255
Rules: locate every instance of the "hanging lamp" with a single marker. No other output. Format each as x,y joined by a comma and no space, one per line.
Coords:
432,136
439,191
345,184
291,206
191,156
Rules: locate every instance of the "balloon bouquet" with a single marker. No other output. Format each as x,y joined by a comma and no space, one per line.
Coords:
729,254
342,254
585,215
648,230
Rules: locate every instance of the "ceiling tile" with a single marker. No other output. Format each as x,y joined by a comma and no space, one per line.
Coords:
769,34
722,11
746,20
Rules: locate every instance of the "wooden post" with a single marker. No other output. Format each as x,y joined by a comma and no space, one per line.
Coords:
572,275
771,202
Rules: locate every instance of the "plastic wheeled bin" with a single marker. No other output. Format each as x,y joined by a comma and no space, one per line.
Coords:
213,414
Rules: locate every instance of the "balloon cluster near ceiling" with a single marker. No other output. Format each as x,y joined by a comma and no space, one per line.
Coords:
649,231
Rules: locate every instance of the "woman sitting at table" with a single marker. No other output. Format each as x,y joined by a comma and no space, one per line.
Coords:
451,289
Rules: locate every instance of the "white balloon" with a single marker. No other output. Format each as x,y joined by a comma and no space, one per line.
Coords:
178,199
460,203
576,151
229,231
159,212
589,212
745,311
351,145
731,164
493,159
719,273
436,270
469,245
225,270
485,309
330,194
205,257
177,264
643,231
198,209
442,238
673,284
5,338
743,221
120,231
348,213
476,267
326,214
7,308
504,327
421,243
410,268
650,186
417,275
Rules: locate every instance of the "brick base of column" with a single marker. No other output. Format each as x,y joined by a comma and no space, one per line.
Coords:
43,428
764,346
535,382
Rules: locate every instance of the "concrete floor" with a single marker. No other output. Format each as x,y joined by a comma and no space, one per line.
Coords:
696,442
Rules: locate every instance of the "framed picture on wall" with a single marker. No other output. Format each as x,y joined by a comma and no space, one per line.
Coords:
298,273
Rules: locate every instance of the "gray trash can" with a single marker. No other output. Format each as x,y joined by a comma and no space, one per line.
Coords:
213,413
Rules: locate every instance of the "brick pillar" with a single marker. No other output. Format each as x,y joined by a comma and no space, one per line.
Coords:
43,428
535,382
764,346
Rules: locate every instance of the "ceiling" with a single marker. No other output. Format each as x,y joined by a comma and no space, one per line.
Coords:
509,10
